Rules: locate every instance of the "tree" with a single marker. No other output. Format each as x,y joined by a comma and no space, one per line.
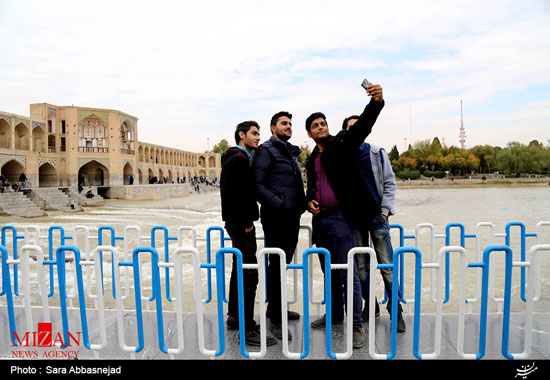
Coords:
394,154
304,154
487,157
436,146
407,162
221,147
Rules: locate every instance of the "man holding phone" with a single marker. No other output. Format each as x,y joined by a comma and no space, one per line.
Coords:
340,201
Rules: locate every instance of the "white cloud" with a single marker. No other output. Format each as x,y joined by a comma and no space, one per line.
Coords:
192,70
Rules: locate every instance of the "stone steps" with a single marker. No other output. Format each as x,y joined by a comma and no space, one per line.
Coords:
51,198
80,198
17,204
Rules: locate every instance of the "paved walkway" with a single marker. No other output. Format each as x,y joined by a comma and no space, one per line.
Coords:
404,346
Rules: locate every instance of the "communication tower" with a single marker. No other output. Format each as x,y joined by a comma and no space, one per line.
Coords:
462,135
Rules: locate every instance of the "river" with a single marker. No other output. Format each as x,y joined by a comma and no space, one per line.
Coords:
414,205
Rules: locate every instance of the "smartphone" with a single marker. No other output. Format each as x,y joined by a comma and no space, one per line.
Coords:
365,83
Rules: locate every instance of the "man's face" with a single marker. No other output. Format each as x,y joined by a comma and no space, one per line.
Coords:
252,138
350,123
318,129
283,129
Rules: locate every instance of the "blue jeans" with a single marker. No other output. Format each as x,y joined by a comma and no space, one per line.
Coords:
379,231
333,233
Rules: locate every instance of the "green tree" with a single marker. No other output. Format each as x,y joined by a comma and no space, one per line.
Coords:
436,146
221,147
394,153
487,157
304,154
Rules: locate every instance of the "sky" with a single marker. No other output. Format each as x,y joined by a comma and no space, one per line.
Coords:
190,71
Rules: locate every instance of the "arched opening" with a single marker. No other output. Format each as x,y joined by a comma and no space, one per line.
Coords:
128,174
38,140
126,138
21,137
211,162
12,170
5,134
51,143
94,174
92,135
147,155
140,174
47,176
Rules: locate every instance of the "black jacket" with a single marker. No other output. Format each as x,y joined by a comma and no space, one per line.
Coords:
340,161
278,179
239,206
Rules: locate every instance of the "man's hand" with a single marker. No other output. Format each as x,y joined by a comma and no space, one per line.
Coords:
376,92
313,207
247,230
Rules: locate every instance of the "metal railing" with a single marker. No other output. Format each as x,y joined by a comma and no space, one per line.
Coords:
87,262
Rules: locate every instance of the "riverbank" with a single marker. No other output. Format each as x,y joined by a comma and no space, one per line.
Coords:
475,182
210,201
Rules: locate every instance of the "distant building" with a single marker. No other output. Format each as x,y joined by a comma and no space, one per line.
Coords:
60,146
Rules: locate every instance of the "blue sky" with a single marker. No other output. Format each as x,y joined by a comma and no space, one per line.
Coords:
191,70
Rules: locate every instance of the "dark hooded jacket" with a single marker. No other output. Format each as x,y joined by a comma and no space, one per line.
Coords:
340,161
239,206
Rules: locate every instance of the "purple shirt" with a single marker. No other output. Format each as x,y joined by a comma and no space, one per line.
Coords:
324,194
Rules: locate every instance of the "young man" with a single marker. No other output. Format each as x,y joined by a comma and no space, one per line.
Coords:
280,191
377,171
339,199
239,211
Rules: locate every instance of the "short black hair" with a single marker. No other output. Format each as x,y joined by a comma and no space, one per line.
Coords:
312,117
276,117
244,127
345,123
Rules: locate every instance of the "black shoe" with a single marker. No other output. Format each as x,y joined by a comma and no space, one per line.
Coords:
277,331
321,323
365,313
358,337
401,327
293,316
254,338
232,323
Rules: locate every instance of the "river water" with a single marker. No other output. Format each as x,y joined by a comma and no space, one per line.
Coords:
415,205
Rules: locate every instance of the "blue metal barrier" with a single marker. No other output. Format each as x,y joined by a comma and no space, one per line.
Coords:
328,299
56,260
6,290
15,237
484,296
60,262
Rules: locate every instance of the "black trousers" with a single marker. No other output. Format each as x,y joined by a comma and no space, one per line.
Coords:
246,243
281,233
